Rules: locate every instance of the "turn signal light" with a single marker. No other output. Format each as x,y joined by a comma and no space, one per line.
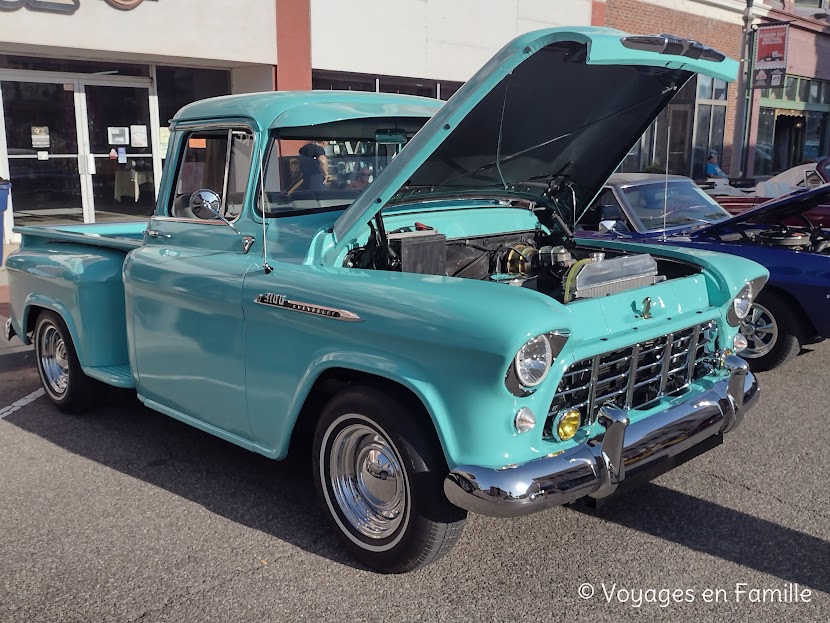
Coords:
568,424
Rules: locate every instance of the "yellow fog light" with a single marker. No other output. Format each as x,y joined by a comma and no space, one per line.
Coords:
568,424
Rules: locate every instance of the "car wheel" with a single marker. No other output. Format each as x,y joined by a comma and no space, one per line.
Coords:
380,477
69,389
773,332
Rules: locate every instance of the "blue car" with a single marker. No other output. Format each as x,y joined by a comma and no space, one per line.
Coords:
792,309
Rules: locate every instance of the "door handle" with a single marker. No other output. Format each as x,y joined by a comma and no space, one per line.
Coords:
152,233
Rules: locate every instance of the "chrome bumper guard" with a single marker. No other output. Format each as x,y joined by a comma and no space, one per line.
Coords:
8,330
597,467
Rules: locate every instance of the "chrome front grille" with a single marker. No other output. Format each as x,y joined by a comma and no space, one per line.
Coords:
632,377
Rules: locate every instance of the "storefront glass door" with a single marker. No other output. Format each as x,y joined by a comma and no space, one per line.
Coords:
43,152
118,126
78,149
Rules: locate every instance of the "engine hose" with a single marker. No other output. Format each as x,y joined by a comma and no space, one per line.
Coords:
572,273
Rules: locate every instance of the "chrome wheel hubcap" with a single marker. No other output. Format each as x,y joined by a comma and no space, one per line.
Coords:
367,481
760,330
54,362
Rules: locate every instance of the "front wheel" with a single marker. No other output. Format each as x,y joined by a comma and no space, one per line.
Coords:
380,477
66,385
773,331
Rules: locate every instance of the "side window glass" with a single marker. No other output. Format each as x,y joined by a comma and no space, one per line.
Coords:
214,160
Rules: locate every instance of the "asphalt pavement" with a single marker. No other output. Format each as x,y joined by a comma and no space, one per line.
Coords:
127,515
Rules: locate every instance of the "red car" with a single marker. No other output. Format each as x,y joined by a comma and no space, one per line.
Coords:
800,177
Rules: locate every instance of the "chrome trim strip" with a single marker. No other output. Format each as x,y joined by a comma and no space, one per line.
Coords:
594,469
177,219
278,300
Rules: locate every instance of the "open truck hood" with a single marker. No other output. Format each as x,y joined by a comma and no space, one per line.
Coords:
554,112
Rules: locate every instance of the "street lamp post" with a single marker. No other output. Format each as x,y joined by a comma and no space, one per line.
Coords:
739,130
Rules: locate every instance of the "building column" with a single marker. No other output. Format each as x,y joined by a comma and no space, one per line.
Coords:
293,71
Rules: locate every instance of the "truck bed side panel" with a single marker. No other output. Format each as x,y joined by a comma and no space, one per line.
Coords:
81,283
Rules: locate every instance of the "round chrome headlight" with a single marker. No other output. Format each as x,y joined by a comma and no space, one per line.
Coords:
743,301
533,361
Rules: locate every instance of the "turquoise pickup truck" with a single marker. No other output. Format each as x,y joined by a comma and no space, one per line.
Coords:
390,288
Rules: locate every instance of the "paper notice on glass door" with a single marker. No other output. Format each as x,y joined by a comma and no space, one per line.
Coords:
118,136
40,137
138,136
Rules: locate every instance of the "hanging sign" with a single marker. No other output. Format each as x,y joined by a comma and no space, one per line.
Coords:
138,136
118,135
770,59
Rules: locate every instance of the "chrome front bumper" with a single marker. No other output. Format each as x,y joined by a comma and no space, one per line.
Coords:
597,467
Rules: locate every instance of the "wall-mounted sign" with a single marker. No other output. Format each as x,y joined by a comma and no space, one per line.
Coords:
124,5
62,6
51,6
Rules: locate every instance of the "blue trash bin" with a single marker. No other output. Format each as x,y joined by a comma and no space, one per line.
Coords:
5,187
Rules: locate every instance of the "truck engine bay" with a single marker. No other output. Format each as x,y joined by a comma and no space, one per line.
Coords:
553,264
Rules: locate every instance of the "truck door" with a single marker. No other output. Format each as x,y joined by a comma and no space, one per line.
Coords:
184,287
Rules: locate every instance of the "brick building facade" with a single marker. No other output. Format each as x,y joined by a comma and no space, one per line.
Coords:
646,18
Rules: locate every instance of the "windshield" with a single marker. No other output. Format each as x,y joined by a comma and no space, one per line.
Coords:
321,172
685,204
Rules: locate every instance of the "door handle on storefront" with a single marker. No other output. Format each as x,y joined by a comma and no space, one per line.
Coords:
152,233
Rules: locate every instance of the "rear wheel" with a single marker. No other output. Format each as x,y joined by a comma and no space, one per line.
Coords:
69,389
773,331
380,477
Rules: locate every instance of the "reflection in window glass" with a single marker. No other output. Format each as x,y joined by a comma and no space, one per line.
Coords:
322,173
700,150
790,85
341,81
205,166
815,92
719,89
704,87
776,93
676,204
815,136
716,134
825,93
764,142
803,89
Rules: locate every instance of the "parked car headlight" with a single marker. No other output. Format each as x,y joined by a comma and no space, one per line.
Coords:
741,305
533,361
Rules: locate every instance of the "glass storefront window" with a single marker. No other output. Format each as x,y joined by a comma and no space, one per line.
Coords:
410,86
72,66
719,90
825,93
790,86
764,142
803,89
815,136
178,86
448,89
704,87
815,92
700,149
341,81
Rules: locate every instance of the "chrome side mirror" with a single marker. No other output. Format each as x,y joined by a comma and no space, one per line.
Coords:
206,200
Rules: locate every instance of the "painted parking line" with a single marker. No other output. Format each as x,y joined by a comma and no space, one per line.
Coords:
19,404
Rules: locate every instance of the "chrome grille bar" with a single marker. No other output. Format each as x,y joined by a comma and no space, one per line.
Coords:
664,376
635,375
